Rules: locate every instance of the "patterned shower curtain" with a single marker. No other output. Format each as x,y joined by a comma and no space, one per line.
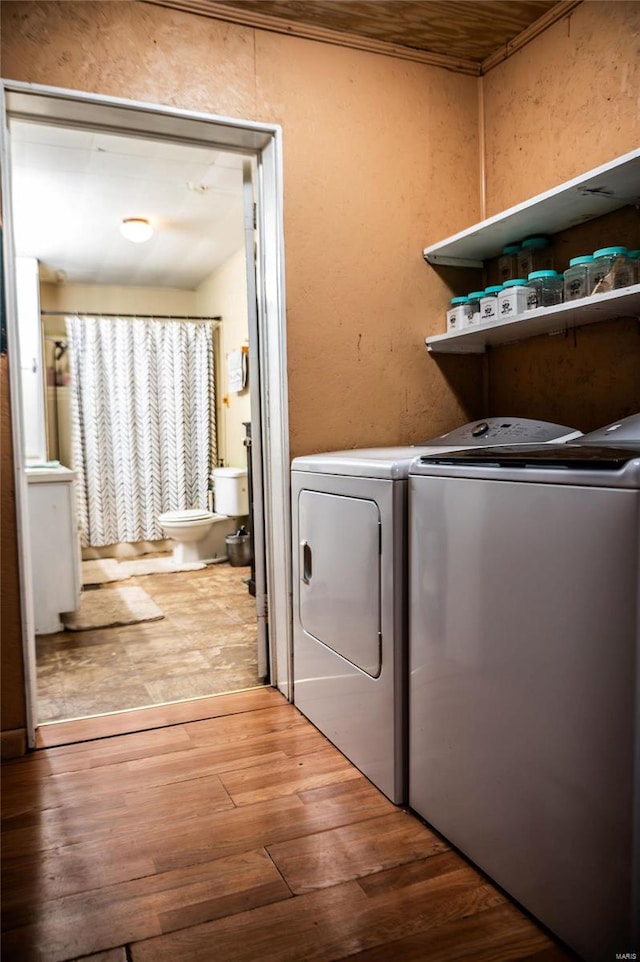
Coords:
143,422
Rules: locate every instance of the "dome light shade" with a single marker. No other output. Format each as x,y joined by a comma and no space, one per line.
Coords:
136,229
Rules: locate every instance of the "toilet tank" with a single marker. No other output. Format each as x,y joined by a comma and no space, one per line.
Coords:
231,496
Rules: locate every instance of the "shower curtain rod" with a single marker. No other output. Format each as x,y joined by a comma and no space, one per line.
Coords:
158,317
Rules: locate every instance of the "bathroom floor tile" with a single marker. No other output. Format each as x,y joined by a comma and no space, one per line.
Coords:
205,645
212,682
120,698
167,664
234,634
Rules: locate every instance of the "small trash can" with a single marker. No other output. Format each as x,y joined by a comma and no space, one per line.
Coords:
239,549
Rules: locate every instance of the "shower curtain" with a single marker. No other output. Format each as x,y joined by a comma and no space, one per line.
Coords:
143,422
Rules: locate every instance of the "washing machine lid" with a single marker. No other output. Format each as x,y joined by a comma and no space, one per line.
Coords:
618,434
392,463
576,464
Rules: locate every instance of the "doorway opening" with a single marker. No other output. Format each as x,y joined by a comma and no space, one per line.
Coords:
211,189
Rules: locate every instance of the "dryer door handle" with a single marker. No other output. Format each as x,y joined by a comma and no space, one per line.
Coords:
306,562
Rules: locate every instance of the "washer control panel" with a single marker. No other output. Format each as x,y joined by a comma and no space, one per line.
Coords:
493,431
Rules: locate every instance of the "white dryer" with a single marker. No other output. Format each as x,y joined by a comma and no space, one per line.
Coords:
349,521
525,674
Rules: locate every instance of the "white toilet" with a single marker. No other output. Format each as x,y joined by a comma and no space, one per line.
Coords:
200,536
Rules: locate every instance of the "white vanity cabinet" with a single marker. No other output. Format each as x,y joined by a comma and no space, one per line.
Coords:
55,546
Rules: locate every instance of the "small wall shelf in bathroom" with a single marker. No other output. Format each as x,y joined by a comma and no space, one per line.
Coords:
543,320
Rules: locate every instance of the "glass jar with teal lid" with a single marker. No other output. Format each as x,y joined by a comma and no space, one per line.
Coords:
610,270
545,289
535,255
474,306
489,303
457,314
634,257
512,299
575,277
508,262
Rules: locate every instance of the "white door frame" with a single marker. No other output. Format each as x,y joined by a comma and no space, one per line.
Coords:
264,142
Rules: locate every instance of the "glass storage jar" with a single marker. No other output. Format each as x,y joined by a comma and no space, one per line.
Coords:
457,314
535,255
512,299
634,257
545,289
508,262
474,306
610,270
575,277
489,303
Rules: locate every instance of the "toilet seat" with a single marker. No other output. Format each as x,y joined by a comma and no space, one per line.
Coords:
188,516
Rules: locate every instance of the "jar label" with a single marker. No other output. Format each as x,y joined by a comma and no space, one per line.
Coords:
506,307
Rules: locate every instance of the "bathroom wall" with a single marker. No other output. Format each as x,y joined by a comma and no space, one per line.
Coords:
566,103
111,300
225,293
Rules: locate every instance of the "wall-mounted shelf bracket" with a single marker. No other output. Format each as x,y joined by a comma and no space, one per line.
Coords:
446,261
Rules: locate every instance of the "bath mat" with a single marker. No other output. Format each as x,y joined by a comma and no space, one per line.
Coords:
101,571
105,570
110,607
152,566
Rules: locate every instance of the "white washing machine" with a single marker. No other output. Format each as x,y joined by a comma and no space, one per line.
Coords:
524,641
349,519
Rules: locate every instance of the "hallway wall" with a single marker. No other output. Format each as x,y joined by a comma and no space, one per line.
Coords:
12,707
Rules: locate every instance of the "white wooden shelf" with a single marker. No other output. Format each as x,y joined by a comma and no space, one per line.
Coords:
598,192
543,320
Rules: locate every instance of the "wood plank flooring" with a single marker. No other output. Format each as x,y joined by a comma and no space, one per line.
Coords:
234,833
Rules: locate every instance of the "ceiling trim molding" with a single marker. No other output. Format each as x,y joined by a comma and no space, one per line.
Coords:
559,12
259,21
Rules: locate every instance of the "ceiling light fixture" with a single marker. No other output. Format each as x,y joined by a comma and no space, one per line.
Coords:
136,229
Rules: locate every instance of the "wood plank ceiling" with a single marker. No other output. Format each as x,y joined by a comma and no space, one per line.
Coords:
469,36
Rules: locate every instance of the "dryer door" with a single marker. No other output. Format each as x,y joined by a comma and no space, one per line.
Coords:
339,575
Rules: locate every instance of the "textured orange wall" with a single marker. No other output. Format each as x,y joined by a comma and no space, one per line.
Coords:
566,103
365,190
12,711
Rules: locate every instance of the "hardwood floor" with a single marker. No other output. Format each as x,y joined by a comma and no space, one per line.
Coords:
239,836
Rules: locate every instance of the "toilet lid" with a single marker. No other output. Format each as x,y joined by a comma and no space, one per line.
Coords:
190,514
